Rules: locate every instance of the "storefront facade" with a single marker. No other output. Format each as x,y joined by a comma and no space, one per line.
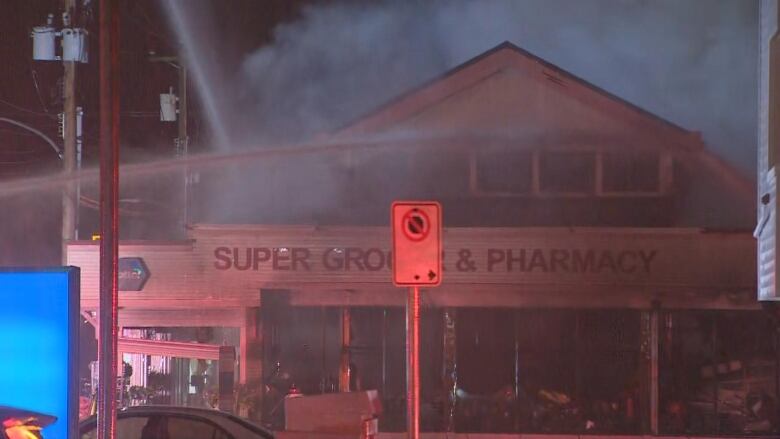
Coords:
593,278
518,279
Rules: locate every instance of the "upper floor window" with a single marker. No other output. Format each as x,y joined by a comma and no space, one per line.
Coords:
511,171
567,172
504,170
630,172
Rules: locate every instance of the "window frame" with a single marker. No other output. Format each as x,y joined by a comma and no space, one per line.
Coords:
664,187
474,176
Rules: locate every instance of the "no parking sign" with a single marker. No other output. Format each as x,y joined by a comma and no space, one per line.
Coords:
416,230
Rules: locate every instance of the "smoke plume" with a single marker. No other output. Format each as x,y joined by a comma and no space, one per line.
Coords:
691,62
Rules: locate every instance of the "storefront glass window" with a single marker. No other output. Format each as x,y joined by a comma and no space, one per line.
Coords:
547,371
717,374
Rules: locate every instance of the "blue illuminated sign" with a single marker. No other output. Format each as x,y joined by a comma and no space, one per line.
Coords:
39,323
132,274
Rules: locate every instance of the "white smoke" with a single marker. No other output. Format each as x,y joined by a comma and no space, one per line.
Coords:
691,62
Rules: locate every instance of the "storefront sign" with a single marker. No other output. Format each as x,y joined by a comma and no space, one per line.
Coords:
642,258
519,260
229,264
570,260
133,274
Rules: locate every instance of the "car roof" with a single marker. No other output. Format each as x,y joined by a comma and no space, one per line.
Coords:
168,409
179,410
174,409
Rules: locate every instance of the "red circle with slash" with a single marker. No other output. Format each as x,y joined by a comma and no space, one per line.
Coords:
416,225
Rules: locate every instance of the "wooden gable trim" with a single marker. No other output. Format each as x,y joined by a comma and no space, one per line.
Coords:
505,56
410,104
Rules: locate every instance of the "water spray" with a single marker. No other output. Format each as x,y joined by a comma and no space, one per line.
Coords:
204,78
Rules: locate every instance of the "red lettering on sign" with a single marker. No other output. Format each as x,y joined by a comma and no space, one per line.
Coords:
559,257
236,260
354,256
494,256
332,259
374,259
222,255
281,256
511,259
300,256
260,255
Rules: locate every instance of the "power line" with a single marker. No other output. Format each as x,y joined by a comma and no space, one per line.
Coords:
34,75
13,132
33,130
26,110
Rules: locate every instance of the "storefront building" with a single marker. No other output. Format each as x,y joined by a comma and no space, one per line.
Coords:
598,277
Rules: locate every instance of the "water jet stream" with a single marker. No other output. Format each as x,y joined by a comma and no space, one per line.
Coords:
440,144
204,77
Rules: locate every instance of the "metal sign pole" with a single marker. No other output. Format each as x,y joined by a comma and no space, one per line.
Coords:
417,258
413,363
109,219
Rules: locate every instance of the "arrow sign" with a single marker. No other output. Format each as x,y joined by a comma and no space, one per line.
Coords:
132,274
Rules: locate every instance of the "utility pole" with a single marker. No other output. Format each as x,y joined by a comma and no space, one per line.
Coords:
69,196
183,141
168,114
73,42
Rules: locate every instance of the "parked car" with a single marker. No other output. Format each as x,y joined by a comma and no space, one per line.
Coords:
22,424
168,422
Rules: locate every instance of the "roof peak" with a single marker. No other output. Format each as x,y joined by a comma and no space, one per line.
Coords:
508,45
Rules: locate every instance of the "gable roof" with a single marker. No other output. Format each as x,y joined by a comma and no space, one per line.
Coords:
508,55
486,64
